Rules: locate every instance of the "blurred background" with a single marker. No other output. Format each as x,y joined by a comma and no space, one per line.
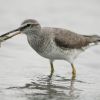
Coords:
22,70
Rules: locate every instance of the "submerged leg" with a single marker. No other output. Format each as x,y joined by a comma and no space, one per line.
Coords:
52,69
73,71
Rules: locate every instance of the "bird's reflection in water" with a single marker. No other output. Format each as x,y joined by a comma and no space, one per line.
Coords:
44,88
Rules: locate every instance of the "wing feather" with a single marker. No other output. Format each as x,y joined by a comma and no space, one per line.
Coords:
68,39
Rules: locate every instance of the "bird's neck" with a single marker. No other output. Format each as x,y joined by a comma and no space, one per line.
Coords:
35,40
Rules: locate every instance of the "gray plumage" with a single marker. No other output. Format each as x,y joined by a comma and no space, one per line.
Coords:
56,43
44,39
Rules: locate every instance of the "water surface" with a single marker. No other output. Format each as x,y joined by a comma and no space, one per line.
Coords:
24,74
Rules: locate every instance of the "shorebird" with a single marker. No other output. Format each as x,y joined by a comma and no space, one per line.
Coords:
56,43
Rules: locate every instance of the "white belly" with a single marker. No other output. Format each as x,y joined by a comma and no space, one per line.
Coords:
53,53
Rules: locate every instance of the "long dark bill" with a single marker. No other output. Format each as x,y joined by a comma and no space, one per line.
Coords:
11,34
18,29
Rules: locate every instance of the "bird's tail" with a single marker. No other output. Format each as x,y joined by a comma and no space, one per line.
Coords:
93,38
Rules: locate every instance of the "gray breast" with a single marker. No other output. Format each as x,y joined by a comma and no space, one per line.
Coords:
38,43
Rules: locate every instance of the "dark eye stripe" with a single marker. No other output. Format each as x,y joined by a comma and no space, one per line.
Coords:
28,25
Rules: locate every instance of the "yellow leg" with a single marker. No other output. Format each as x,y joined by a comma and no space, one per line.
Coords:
73,71
52,69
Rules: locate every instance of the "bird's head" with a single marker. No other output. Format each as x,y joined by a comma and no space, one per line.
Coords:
27,27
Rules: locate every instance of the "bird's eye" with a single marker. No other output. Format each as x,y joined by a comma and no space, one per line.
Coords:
24,26
29,24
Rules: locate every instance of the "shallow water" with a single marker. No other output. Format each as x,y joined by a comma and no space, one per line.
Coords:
24,74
